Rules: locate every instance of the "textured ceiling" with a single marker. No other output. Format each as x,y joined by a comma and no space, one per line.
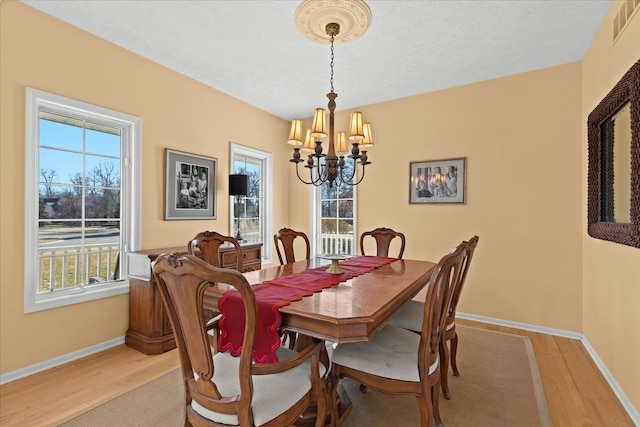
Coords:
251,50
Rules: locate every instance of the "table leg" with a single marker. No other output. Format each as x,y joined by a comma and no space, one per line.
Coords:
309,417
344,403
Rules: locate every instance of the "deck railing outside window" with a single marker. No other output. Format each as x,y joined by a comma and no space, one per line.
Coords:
67,267
337,244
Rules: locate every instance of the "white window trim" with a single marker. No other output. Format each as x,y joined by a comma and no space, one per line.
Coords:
267,180
314,195
131,184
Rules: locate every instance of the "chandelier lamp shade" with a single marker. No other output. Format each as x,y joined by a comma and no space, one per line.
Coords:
331,167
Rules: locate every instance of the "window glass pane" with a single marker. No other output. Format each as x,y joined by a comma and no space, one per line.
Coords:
60,202
252,208
346,191
250,229
103,171
253,171
86,251
62,167
60,254
60,268
329,208
328,192
249,209
329,226
48,191
101,142
345,226
335,213
59,134
345,209
72,256
102,203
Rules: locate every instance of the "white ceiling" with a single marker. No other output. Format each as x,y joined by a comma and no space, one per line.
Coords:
251,50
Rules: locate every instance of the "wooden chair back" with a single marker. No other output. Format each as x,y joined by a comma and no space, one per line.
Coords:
182,281
347,363
457,290
286,237
383,237
439,292
209,242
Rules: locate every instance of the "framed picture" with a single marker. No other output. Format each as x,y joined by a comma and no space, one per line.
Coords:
190,186
437,181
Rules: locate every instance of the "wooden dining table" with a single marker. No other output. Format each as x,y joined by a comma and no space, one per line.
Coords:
352,311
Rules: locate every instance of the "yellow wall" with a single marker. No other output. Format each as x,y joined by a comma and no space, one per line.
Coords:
177,112
521,137
611,272
524,138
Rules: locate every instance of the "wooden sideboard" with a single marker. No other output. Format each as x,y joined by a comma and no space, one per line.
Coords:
149,327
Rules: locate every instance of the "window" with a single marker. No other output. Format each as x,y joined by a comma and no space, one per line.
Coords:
252,212
82,166
335,218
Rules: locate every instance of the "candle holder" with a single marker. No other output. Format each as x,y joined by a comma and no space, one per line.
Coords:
335,259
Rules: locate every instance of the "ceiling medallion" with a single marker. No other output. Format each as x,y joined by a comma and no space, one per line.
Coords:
312,16
340,164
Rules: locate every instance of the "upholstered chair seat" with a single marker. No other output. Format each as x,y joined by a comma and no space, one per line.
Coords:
272,394
410,317
392,353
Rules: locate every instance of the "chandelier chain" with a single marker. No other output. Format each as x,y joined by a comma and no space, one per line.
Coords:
332,56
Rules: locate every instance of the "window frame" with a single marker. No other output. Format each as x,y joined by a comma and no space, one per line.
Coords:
266,179
130,217
316,219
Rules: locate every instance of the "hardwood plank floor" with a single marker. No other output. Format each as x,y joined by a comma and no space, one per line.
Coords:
577,394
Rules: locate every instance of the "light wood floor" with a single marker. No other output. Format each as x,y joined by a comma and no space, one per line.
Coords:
577,394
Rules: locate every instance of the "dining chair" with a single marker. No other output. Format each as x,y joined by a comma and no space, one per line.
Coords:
285,237
410,317
208,243
221,389
398,361
383,237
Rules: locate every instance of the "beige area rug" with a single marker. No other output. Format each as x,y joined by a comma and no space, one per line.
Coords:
499,385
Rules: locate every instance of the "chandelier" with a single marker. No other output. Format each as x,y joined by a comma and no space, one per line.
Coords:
332,167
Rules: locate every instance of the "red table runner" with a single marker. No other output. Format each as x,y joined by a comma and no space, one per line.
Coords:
273,294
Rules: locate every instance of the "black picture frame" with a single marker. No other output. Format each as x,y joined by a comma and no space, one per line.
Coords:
190,186
438,181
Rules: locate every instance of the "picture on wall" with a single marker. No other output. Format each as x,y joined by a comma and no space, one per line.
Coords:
190,186
437,181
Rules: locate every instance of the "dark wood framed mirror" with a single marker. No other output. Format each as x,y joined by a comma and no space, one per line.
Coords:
613,132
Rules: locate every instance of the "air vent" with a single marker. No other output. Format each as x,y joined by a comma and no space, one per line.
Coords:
624,15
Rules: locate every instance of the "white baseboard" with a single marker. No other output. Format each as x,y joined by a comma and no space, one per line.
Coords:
50,363
624,400
631,410
523,326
